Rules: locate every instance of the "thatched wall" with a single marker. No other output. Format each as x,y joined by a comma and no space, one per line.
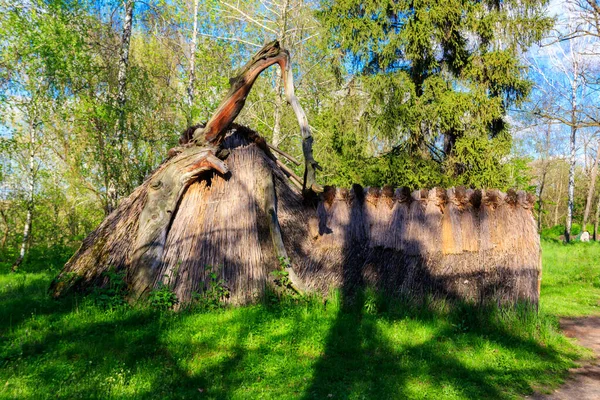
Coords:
475,245
459,243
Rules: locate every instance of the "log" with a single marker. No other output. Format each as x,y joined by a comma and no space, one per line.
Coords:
163,196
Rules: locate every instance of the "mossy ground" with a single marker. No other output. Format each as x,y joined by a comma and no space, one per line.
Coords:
366,348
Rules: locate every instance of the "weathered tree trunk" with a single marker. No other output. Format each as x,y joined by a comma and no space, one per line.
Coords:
30,196
592,188
151,209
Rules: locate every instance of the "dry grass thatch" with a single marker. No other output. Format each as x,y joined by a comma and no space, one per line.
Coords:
475,245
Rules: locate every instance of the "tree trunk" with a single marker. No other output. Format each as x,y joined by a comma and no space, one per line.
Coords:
545,164
124,64
30,197
571,202
540,198
597,221
112,190
276,140
6,228
150,210
192,68
592,188
283,12
558,197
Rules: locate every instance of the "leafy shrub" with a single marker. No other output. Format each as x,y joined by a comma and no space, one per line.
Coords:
370,305
280,276
163,298
112,294
556,233
214,294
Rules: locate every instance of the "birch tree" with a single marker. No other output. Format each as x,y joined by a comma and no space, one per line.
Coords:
121,99
560,71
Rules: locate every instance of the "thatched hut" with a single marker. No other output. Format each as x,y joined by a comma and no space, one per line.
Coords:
224,200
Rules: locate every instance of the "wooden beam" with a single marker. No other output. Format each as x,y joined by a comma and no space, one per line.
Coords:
214,132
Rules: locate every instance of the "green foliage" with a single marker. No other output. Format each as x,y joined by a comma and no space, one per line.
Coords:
112,294
162,298
557,232
370,301
214,293
434,82
280,275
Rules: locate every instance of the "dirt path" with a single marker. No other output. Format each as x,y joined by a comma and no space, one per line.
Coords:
584,383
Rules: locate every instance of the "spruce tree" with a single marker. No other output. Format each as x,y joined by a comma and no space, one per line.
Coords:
441,75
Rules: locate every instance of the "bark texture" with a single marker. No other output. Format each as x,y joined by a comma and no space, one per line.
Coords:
191,91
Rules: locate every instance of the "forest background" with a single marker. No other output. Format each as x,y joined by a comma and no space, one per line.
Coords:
486,94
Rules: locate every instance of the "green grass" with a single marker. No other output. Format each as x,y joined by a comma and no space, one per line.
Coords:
367,349
571,279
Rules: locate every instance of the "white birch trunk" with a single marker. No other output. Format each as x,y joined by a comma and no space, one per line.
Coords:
192,67
572,160
112,191
276,140
30,197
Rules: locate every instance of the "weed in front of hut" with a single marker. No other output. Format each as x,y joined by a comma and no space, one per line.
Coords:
214,294
162,298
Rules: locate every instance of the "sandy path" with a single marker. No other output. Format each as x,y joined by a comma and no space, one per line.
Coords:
584,383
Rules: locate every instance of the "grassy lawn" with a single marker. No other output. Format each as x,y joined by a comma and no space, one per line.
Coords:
371,349
571,279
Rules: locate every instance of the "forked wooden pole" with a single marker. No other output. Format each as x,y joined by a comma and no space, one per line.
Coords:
166,187
214,132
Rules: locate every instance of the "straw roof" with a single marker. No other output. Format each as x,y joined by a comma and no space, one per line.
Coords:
461,243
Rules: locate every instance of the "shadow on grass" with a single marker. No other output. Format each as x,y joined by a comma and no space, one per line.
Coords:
362,360
359,346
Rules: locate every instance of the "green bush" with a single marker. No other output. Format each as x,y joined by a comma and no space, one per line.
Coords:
162,298
557,232
214,294
111,295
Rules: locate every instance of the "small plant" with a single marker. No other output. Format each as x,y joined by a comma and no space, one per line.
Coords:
214,294
283,292
370,301
280,276
163,298
112,294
